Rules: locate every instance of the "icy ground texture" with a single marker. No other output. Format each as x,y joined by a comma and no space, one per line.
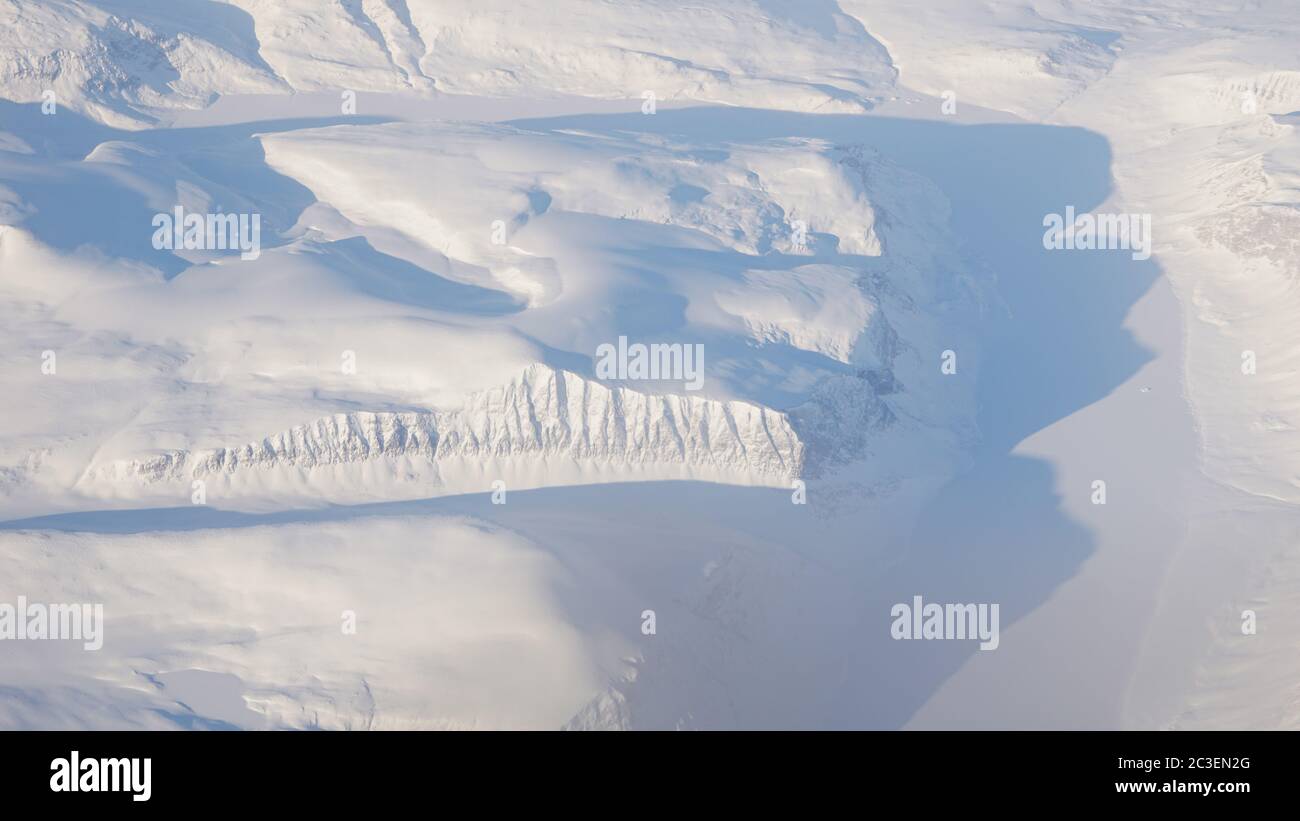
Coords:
1199,102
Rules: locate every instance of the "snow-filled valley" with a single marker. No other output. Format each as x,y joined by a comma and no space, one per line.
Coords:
627,365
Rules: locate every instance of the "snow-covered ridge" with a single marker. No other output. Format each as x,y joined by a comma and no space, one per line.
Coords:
751,198
119,69
124,66
544,414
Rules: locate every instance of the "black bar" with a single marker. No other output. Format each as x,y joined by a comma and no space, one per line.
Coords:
329,769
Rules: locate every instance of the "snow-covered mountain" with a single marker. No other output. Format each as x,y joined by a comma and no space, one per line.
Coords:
539,317
129,62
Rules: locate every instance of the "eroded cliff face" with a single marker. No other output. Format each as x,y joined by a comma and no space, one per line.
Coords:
543,415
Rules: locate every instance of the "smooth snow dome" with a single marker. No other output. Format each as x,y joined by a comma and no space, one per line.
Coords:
468,365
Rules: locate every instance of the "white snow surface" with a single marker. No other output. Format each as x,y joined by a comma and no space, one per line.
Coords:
373,478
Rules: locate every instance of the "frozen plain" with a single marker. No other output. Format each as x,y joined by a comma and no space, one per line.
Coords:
371,491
